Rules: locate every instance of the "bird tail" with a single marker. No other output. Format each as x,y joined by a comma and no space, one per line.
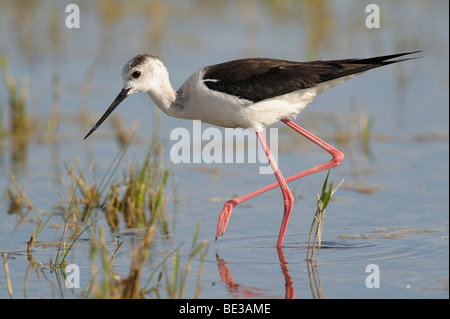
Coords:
382,60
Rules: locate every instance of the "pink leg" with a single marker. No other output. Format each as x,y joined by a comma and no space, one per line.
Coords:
335,161
287,195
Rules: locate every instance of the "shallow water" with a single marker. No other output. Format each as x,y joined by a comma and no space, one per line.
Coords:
391,211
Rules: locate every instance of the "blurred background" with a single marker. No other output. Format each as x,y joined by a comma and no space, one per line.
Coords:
392,124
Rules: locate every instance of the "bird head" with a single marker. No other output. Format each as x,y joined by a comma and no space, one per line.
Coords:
138,75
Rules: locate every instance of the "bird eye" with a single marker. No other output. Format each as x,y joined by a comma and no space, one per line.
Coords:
136,74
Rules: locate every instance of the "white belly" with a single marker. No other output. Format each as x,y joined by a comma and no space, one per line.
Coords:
213,107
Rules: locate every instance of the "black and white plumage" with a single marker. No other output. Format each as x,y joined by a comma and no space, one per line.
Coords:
259,79
255,92
246,93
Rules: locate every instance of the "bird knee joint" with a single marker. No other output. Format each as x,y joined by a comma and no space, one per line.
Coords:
338,158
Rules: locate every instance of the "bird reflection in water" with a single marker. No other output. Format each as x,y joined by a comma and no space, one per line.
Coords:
242,291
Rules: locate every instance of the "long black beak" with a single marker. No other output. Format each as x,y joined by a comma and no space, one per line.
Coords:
122,95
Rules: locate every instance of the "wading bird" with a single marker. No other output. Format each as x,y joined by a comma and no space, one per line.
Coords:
247,93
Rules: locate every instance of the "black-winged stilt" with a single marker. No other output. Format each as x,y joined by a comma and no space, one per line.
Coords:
247,93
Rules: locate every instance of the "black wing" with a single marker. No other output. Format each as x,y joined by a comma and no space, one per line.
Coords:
259,78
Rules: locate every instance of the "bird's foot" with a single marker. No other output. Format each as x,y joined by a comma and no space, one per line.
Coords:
224,217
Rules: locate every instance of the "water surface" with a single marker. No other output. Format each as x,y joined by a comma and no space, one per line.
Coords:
391,211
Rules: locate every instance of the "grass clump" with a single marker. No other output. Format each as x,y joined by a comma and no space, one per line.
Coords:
143,199
105,283
137,199
176,282
322,202
18,97
17,201
89,194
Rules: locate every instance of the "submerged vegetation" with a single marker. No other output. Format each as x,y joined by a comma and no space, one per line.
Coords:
141,203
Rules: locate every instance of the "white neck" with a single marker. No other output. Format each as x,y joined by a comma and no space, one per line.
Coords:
164,96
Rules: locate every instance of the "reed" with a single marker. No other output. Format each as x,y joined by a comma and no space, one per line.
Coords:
317,224
140,197
16,201
90,197
177,281
136,200
7,274
37,230
105,283
17,96
61,254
